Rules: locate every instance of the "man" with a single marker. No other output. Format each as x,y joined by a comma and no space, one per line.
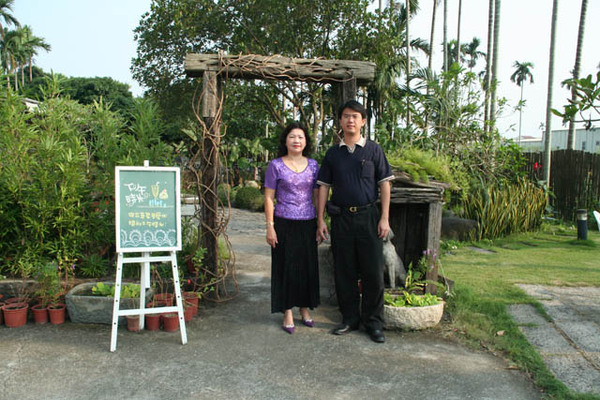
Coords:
355,170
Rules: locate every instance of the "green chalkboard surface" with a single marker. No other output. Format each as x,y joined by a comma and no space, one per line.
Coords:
148,211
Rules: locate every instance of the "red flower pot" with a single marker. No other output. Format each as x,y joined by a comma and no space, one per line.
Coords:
192,299
188,312
165,298
170,322
133,323
40,314
1,314
152,322
57,313
15,314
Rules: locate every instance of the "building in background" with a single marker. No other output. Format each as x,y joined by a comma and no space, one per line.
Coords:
585,140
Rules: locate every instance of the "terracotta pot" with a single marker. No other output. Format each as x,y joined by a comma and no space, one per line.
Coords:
166,298
57,313
133,323
40,314
153,322
17,300
1,313
188,312
170,322
192,299
15,314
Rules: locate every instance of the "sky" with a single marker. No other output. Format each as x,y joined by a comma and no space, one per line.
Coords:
95,38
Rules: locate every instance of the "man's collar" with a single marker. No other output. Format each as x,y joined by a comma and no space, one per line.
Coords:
361,142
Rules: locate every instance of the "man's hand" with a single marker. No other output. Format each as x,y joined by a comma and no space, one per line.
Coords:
383,228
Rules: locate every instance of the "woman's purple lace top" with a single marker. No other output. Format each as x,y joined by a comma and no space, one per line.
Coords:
293,190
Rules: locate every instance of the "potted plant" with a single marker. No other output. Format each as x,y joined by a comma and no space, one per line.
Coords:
15,309
410,308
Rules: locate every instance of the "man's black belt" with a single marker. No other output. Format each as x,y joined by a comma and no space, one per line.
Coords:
355,209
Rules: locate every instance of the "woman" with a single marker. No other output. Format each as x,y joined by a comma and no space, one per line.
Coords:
291,227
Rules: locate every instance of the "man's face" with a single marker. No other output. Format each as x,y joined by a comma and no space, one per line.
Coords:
351,121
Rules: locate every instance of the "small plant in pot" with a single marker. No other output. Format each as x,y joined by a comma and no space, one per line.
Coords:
410,308
16,308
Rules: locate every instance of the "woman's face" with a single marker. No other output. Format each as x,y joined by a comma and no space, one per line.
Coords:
295,141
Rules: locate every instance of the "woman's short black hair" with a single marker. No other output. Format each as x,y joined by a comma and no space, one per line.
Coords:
282,150
353,105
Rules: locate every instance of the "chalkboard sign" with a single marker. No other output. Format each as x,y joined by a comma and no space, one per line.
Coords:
148,210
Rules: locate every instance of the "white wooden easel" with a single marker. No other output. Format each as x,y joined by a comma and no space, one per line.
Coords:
140,194
145,261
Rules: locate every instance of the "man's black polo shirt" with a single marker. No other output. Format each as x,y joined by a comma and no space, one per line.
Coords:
354,177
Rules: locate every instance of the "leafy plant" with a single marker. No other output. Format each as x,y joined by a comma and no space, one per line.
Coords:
407,299
504,209
48,283
128,291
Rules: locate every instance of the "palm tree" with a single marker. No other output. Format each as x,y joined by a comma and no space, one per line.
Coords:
520,76
458,48
548,133
470,50
6,14
487,85
571,137
494,79
445,35
31,45
431,36
12,53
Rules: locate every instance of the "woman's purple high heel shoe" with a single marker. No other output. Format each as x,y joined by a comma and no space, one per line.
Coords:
308,322
288,328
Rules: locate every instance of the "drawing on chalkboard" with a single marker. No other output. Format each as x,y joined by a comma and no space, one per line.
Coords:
148,214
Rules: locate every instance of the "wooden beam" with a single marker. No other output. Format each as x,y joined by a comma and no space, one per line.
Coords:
252,66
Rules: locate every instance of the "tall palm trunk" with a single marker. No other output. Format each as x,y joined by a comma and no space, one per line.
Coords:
571,137
445,35
431,36
520,112
488,66
458,32
431,47
494,100
407,63
548,133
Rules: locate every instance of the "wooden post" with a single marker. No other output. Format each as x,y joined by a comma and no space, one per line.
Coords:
433,243
211,118
347,91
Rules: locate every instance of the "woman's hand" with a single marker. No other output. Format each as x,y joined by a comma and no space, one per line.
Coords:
271,236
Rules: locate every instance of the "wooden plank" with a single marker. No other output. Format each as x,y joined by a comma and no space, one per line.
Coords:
252,66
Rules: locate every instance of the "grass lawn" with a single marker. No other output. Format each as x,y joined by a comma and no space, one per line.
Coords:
486,274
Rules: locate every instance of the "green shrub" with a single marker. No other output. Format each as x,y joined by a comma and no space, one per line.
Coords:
504,209
249,198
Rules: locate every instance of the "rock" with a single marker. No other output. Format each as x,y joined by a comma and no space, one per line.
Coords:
326,277
455,228
85,308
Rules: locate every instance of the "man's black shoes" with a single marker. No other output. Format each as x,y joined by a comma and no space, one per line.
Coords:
342,329
376,335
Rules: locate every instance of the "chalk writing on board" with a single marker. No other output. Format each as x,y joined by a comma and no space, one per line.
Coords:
147,225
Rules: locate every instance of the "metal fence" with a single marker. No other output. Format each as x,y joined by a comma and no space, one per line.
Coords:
574,180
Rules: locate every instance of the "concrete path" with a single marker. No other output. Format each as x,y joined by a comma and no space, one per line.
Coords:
570,342
237,350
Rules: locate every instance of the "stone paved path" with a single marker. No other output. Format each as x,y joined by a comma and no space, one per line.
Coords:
570,342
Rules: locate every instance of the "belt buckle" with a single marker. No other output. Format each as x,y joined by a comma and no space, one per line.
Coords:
353,209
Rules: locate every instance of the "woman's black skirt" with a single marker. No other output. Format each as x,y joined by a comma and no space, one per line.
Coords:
294,265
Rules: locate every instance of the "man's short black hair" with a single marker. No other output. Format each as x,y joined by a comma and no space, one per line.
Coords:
353,105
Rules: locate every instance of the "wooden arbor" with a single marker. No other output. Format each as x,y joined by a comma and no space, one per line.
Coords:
345,74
